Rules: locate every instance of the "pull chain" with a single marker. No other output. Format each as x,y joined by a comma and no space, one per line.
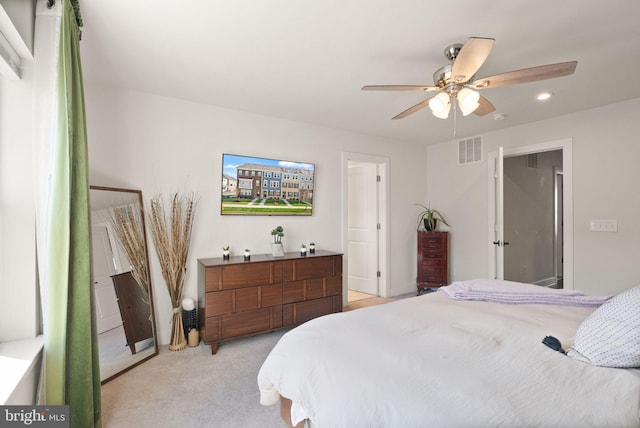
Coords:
455,117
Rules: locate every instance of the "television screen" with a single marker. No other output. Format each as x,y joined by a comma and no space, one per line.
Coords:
260,186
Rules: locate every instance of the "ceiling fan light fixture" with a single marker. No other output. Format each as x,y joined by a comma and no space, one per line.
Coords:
468,100
468,110
440,105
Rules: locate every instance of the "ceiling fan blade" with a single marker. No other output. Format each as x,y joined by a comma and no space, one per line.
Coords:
485,107
526,75
470,58
399,88
413,109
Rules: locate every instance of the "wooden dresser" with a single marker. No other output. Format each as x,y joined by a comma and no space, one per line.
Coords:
135,312
432,259
238,298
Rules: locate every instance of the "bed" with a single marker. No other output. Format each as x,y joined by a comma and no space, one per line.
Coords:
433,360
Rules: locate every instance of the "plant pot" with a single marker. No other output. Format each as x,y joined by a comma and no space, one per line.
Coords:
277,250
430,225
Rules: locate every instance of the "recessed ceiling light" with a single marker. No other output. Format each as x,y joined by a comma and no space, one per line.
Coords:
543,96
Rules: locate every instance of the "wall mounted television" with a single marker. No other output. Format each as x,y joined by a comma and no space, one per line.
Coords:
262,186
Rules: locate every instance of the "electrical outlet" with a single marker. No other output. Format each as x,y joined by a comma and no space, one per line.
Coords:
603,225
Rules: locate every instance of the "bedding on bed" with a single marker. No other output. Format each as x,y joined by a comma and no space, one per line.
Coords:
433,361
492,290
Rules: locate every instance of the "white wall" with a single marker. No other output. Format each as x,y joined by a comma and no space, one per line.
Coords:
164,145
606,153
17,210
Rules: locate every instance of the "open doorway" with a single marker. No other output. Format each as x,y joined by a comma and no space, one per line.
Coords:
364,226
533,218
559,252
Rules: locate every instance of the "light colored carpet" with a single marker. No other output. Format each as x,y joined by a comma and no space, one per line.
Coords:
192,388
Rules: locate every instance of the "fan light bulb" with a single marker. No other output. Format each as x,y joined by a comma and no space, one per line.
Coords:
440,105
468,101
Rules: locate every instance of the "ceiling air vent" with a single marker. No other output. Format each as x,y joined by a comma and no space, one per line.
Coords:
470,150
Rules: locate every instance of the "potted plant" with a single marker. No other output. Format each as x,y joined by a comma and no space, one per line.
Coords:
225,253
312,247
303,250
277,249
430,218
247,254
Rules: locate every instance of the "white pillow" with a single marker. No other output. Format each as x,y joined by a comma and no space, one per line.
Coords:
610,336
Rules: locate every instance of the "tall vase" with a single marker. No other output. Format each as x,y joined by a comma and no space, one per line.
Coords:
277,250
178,341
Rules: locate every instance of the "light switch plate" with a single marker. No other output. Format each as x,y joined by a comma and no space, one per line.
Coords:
603,225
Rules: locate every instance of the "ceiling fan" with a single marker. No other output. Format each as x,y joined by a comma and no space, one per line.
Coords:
457,80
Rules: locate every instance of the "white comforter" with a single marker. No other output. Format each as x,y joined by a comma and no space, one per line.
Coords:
430,361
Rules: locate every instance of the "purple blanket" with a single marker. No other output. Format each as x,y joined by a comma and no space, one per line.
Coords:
493,290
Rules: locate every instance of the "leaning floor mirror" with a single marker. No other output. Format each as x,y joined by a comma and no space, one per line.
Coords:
123,309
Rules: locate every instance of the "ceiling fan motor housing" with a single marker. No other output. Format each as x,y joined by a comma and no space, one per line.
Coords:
451,51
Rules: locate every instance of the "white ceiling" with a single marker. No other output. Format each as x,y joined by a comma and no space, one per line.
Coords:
306,60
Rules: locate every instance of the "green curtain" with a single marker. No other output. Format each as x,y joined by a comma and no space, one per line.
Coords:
71,349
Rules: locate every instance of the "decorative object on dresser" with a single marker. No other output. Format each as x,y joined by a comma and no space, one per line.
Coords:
432,259
277,249
430,217
312,248
171,235
238,298
225,252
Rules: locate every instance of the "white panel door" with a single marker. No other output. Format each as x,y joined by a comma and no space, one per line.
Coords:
107,310
496,214
362,260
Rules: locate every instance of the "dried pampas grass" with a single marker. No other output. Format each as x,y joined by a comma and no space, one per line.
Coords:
171,232
127,223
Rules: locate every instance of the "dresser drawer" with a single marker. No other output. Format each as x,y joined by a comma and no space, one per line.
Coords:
242,299
432,262
250,275
243,323
313,267
250,322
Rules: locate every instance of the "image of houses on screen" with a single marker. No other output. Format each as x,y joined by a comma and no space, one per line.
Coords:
260,186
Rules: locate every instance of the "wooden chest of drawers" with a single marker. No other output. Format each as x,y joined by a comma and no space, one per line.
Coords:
238,298
432,259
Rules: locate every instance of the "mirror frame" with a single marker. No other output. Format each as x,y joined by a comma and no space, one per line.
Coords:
146,244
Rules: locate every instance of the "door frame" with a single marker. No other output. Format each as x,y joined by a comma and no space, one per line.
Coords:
567,201
383,219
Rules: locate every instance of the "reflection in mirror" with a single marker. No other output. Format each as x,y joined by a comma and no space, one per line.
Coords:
122,289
